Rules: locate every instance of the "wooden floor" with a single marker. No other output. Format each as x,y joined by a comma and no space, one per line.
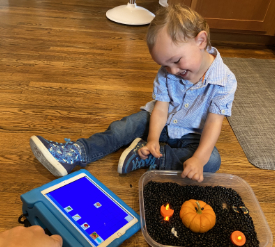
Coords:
66,71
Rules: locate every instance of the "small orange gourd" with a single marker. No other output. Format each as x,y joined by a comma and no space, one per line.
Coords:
197,216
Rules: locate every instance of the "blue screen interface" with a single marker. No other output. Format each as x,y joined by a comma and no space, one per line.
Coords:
90,209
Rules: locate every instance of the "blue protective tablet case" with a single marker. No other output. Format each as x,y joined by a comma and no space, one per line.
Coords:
39,211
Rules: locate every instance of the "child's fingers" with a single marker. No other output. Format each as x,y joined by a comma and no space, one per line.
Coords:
196,177
185,172
188,172
144,157
156,153
143,153
201,178
191,174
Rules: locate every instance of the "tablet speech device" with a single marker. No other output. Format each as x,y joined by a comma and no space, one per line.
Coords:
82,210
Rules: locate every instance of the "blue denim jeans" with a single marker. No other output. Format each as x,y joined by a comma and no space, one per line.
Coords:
123,132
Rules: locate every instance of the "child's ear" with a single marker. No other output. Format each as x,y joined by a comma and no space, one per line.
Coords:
201,39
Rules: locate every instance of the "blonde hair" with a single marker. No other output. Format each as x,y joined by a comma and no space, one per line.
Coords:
182,23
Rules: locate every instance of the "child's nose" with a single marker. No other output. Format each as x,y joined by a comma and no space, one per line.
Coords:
172,70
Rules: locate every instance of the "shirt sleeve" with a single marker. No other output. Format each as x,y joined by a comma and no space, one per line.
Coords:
222,102
160,91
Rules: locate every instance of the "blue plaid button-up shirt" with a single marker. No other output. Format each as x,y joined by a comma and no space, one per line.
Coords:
190,103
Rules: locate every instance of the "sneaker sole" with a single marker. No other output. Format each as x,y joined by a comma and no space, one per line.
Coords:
46,158
125,153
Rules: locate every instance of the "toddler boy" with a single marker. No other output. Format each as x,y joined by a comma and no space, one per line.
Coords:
193,91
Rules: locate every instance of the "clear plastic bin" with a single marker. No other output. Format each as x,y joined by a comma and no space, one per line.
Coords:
210,179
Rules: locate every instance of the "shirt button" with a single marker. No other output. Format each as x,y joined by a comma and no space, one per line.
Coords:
186,105
223,111
154,96
175,121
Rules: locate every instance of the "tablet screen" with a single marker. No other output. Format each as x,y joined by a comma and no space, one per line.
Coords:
94,213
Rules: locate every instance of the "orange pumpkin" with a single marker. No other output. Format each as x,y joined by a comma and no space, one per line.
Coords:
197,216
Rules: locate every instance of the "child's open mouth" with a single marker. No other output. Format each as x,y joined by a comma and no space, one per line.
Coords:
183,73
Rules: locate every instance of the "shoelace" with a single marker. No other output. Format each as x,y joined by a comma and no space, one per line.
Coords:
67,141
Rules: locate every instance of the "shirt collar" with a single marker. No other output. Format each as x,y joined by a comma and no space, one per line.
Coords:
216,74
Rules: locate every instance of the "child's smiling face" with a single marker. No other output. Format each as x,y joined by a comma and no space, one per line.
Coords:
187,59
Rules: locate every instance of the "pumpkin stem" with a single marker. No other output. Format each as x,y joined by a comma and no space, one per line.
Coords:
199,211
